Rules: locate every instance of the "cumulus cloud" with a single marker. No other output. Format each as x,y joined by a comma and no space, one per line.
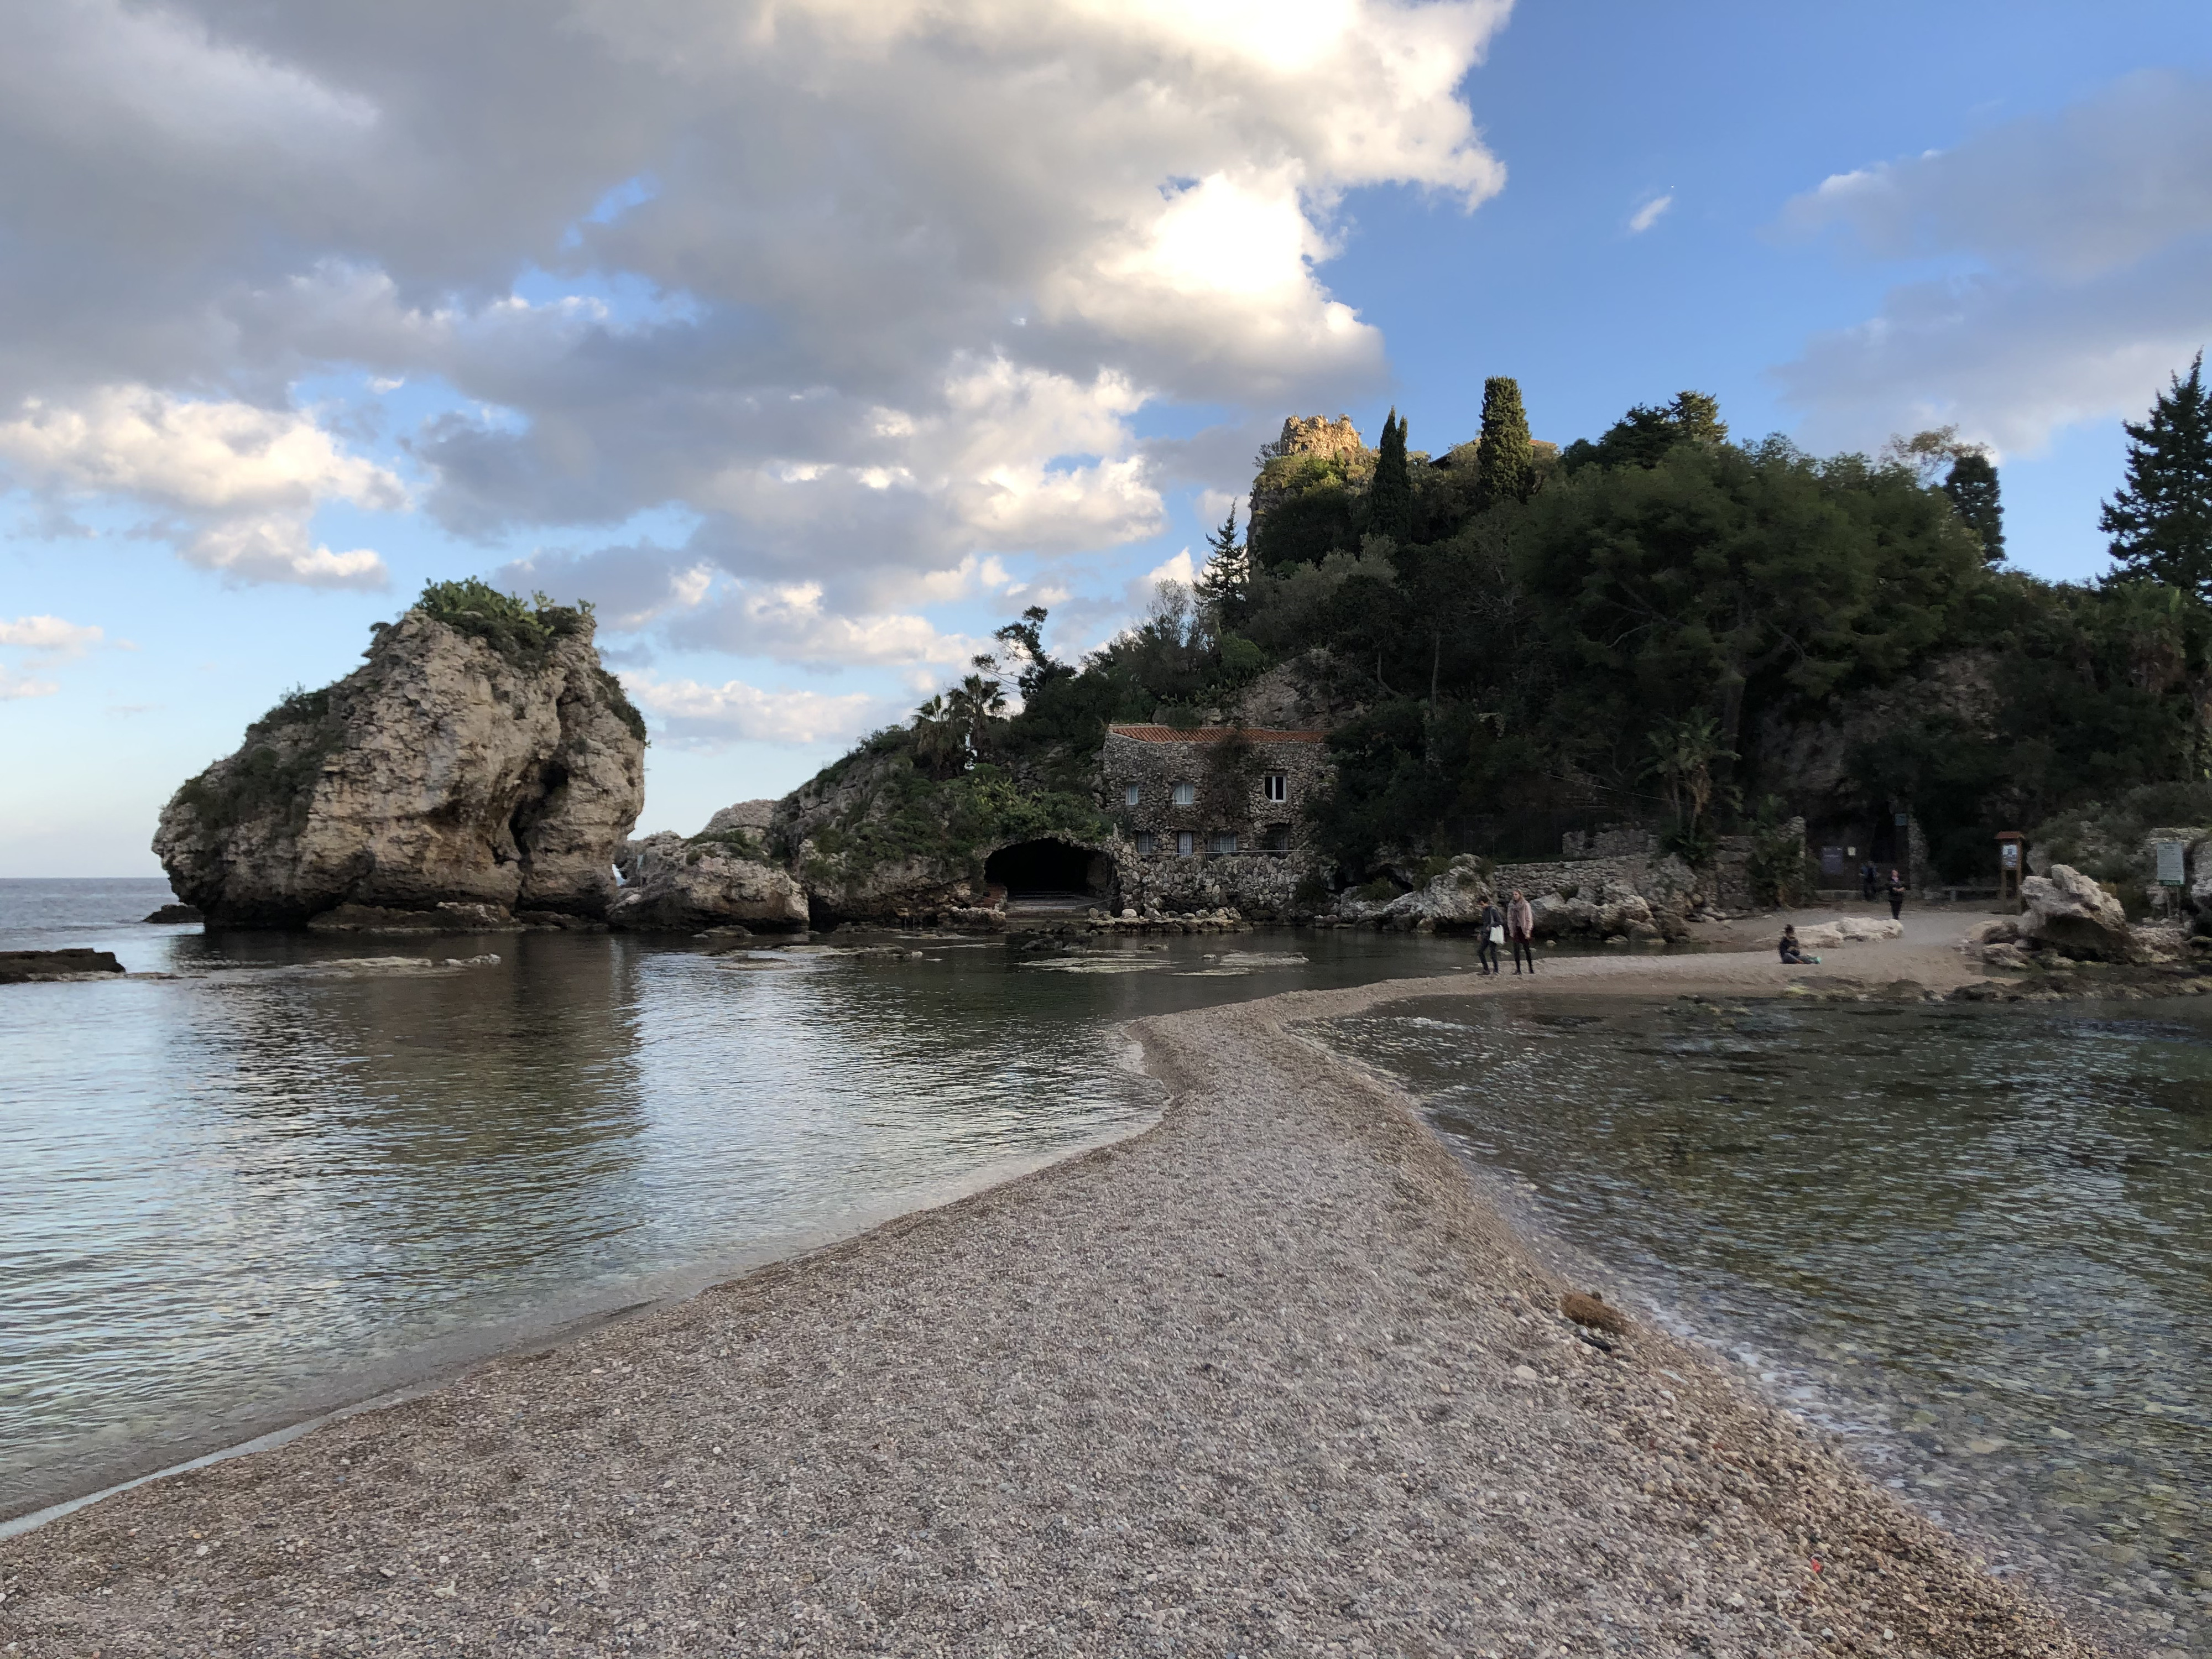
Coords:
234,486
713,716
2081,248
874,288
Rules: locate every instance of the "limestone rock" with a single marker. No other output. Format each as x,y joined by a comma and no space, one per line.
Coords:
2072,914
446,767
453,916
172,916
714,880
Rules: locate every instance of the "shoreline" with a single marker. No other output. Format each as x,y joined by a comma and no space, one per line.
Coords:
1267,1374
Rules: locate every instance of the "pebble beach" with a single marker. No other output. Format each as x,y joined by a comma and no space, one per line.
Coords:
1267,1378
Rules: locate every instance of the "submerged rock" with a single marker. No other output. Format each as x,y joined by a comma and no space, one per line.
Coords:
175,914
716,878
485,760
2070,913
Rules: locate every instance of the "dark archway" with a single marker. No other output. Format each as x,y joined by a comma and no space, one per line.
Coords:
1047,869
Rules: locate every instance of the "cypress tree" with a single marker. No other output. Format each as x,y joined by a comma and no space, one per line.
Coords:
1972,488
1504,459
2161,521
1390,497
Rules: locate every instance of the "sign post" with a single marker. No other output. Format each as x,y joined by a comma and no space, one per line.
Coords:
2172,862
2011,856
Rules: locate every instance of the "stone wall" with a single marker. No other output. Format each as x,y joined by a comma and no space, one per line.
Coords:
1225,771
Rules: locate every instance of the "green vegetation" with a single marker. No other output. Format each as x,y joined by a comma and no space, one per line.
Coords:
523,631
1660,624
946,824
2161,521
276,768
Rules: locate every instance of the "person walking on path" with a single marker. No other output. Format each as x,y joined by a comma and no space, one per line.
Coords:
1896,891
1520,928
1491,924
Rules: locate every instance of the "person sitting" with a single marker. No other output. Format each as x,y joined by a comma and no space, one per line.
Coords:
1794,953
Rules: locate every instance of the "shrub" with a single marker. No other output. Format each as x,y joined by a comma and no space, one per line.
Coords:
523,632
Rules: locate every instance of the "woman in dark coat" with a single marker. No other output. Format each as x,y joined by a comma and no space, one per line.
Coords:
1896,891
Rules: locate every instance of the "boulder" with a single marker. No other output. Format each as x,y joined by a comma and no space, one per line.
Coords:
175,914
2071,913
449,917
19,967
499,767
712,879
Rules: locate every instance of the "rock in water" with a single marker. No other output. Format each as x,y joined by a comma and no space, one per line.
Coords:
716,877
2070,913
17,967
481,755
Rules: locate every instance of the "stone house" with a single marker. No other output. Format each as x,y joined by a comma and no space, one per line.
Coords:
1213,815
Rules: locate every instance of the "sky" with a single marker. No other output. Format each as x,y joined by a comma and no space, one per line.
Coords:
810,340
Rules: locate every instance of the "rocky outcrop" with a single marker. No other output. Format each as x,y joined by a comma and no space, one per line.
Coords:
485,766
1849,930
1634,897
2068,912
721,878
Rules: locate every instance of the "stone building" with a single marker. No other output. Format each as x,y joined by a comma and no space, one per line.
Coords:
1213,815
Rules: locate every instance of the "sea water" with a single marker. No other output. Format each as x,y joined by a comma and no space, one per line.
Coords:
293,1170
1976,1240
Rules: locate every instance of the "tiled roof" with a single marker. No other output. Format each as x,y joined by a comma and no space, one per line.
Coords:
1213,734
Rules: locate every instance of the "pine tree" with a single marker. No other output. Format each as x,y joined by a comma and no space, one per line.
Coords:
2161,521
1225,587
1972,488
1504,459
1390,497
1697,417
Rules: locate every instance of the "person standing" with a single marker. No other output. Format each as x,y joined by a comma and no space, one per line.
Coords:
1520,928
1868,877
1491,925
1896,892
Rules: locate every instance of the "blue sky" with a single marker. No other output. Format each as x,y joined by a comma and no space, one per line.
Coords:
809,393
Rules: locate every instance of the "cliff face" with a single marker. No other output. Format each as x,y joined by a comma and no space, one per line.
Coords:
449,767
725,874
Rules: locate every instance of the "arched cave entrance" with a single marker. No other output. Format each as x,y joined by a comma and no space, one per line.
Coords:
1048,871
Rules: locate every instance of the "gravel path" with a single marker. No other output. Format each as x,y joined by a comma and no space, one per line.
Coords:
1268,1378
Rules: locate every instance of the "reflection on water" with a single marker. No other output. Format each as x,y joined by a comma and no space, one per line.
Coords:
1978,1239
267,1176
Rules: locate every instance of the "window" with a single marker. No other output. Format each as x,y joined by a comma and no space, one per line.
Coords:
1278,785
1186,793
1186,843
1221,840
1132,794
1275,838
1147,841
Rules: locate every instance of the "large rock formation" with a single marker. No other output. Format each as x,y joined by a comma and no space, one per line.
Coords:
474,762
726,875
2071,914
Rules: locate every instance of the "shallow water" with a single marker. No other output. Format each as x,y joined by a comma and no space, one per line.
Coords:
1977,1240
303,1164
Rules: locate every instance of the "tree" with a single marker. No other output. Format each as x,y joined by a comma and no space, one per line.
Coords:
1683,753
1972,488
1025,639
1225,583
1504,459
1645,435
2161,521
1390,497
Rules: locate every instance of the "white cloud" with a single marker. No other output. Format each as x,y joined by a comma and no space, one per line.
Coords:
711,716
1648,215
233,485
790,624
47,640
53,638
2081,247
873,288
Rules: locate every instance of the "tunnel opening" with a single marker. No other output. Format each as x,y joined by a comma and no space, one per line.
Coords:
1048,871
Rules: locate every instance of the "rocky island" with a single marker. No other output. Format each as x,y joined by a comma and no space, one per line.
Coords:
481,757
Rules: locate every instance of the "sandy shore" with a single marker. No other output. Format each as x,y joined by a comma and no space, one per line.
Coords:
1268,1378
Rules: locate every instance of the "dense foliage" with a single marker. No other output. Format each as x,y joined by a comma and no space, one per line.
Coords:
522,631
1658,624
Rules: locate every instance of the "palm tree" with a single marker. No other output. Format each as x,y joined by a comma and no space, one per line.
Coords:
938,742
1682,755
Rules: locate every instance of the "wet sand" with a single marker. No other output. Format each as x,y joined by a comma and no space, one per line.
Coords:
1267,1378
